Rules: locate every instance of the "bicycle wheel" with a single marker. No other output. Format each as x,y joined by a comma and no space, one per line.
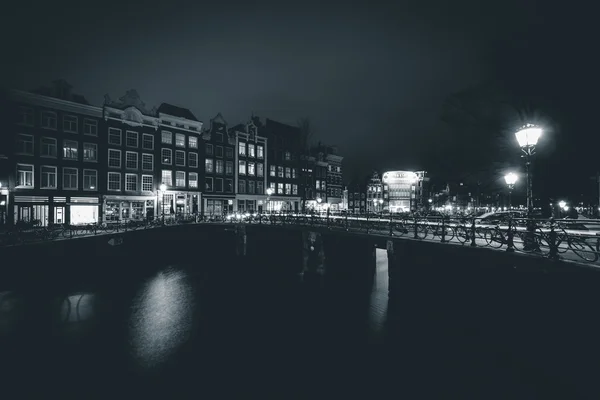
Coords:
462,234
583,249
422,231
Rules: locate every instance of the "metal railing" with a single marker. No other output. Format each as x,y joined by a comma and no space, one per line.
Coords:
568,239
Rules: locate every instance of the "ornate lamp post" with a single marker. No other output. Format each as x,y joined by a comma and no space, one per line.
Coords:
162,189
269,193
528,136
510,179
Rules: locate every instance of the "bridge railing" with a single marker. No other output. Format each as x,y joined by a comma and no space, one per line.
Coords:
571,239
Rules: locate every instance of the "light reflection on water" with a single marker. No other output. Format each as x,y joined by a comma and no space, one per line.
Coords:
77,307
161,317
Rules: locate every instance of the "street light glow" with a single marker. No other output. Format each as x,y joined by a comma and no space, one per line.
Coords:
163,187
269,191
528,135
562,204
319,200
511,178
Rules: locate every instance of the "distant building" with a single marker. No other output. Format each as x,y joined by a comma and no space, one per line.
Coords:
357,197
404,190
375,198
334,174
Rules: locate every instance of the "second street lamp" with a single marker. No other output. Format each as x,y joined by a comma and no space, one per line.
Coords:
510,179
162,189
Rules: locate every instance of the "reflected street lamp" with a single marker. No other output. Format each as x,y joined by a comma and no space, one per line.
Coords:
269,193
162,188
528,136
510,179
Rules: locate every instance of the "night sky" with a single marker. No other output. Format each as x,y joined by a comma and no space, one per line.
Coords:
373,78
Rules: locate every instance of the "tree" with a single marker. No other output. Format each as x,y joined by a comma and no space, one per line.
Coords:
306,133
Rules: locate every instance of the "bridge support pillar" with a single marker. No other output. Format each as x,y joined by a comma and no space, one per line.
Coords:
393,265
241,240
349,258
313,253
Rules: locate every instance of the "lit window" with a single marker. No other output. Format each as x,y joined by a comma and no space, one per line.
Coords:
280,188
208,165
219,166
242,149
295,189
70,150
90,127
147,183
48,175
192,142
131,139
131,160
229,167
288,188
294,173
147,141
167,156
70,178
90,179
260,170
272,186
147,162
167,137
260,152
242,167
241,186
272,169
24,144
114,181
288,172
208,184
49,120
167,177
180,140
180,158
251,169
70,123
90,152
251,150
114,136
280,172
114,158
193,180
180,178
193,160
288,155
131,181
27,116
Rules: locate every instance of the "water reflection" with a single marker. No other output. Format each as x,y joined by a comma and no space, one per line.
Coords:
161,317
9,309
77,307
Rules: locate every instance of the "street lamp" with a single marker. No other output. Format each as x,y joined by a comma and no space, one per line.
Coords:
162,188
528,136
510,179
269,193
562,204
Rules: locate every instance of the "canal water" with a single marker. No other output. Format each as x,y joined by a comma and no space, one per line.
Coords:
234,331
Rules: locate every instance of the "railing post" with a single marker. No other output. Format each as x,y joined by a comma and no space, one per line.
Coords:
510,237
391,226
552,238
346,221
367,224
473,244
416,236
443,229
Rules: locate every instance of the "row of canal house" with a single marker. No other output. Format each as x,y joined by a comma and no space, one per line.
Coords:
63,160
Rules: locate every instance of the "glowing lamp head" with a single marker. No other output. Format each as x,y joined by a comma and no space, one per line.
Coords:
319,200
162,187
528,135
511,178
430,200
562,204
269,191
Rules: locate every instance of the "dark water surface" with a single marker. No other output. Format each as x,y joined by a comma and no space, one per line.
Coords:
223,331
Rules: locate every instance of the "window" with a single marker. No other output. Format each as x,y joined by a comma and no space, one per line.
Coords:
242,149
251,152
209,149
219,151
288,156
241,186
288,172
219,185
69,149
229,167
288,188
131,162
294,173
179,140
90,127
272,186
260,172
49,120
27,117
180,158
208,165
131,181
167,156
260,152
114,158
219,167
193,159
242,167
280,172
114,181
147,183
192,142
229,152
219,137
272,170
193,180
114,136
167,177
70,178
70,123
24,144
251,187
131,139
147,141
48,175
259,188
280,188
180,178
208,184
166,137
90,179
251,169
147,162
229,185
90,152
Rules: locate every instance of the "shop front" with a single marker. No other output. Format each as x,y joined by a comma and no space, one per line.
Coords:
125,208
218,206
283,204
46,210
179,203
